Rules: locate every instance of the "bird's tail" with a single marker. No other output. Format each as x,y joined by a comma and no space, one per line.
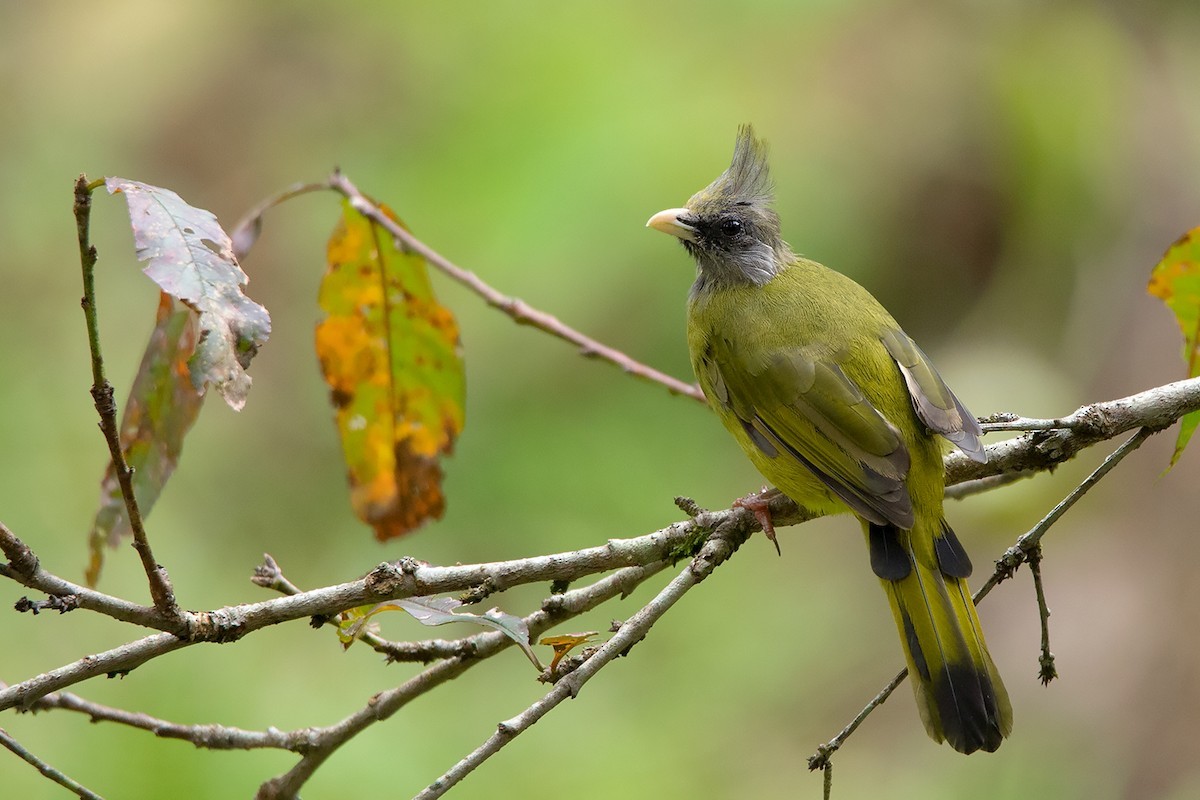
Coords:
958,690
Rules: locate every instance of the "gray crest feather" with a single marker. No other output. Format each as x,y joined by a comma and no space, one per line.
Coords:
748,179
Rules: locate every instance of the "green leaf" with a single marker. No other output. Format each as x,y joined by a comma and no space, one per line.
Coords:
191,258
1176,280
161,408
390,354
437,611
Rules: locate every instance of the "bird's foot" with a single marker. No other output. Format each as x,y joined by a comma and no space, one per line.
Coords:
759,504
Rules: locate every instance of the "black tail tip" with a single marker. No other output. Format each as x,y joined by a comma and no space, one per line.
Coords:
971,717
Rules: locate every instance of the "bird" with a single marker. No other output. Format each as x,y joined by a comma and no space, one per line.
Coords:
841,411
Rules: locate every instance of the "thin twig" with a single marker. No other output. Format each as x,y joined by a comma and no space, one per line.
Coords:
715,551
1003,421
821,758
113,663
1019,552
1006,565
1047,671
249,227
47,771
521,312
960,491
213,737
106,406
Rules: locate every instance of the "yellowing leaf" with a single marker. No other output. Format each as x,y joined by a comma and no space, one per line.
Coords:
161,408
565,643
1176,280
191,258
390,355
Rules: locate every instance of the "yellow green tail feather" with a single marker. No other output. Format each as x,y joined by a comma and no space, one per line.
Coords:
958,690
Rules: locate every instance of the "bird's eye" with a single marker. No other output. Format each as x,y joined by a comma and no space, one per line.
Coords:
731,227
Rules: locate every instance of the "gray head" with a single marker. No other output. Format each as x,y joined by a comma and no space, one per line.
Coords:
729,227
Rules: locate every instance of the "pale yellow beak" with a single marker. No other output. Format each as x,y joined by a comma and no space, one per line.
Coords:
668,222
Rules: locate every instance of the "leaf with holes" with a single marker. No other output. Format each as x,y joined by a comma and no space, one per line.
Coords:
1176,281
390,355
191,258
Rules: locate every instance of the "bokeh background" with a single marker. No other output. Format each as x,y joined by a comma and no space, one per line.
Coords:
1002,176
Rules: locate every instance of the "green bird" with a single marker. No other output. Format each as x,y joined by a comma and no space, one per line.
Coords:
839,409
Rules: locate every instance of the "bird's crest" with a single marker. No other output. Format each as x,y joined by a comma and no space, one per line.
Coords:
748,178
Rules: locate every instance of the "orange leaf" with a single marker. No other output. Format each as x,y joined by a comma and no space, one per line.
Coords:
390,354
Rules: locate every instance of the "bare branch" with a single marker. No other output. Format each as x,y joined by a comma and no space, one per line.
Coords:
961,491
214,737
1156,409
112,663
521,312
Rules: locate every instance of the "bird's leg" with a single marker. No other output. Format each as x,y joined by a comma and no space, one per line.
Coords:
759,504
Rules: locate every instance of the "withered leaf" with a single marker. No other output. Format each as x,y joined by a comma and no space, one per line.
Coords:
191,258
390,354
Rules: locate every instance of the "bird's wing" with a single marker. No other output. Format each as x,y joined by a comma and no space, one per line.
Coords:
935,404
793,406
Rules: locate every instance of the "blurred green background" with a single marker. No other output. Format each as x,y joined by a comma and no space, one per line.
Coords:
1002,176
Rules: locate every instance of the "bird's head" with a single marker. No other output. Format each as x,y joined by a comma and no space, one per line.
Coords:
730,227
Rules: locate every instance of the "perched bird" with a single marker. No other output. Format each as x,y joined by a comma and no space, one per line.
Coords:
839,409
